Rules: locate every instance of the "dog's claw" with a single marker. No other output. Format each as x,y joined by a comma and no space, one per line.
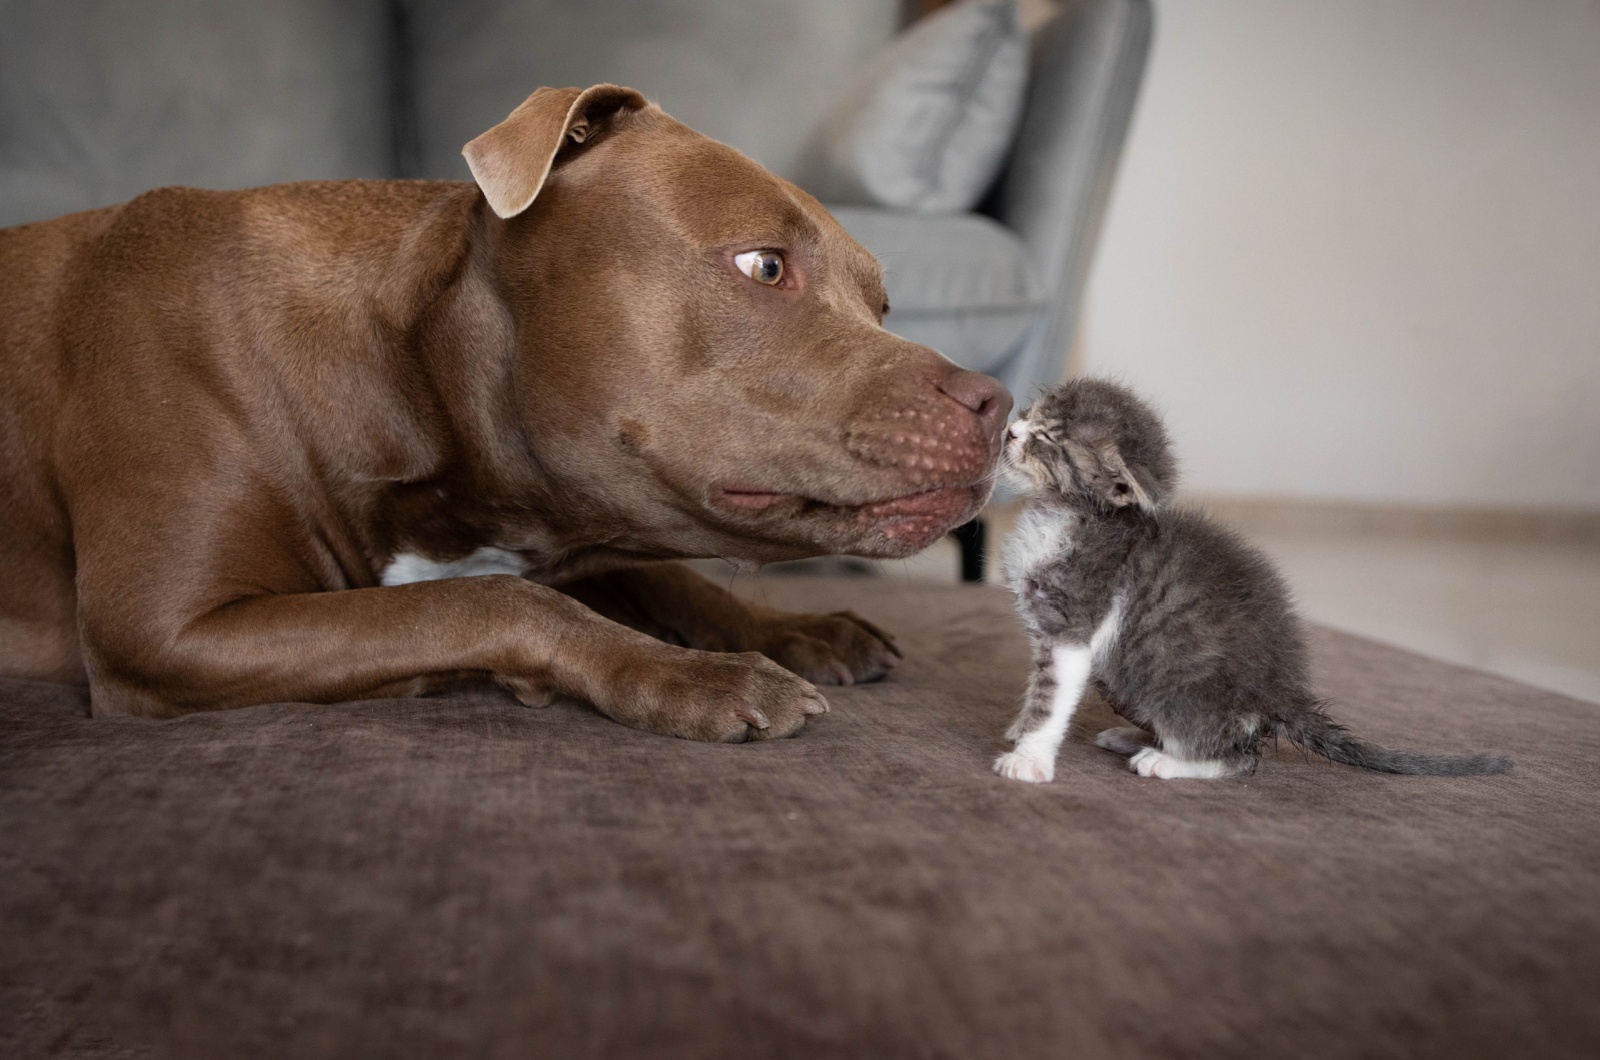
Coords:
887,638
837,649
717,696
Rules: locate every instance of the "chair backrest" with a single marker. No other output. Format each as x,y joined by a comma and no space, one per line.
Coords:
103,99
757,74
1087,65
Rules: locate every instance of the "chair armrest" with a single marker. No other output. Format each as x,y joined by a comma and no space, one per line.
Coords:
1087,64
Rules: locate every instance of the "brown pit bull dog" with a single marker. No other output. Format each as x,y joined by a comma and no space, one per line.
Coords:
250,442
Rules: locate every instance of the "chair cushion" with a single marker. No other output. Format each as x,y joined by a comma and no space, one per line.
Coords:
100,100
960,283
927,124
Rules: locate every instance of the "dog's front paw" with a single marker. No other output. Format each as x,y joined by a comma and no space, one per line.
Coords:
716,697
838,649
1014,765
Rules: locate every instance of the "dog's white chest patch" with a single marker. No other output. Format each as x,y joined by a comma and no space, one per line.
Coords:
408,567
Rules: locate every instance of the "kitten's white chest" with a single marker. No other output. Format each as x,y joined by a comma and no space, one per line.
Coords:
1041,536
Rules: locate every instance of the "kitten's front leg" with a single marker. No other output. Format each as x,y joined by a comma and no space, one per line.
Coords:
1036,698
1055,688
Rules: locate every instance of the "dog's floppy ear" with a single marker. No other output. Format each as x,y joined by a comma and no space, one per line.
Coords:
1107,475
511,161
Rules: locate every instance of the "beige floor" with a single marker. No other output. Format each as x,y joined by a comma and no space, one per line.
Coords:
1526,609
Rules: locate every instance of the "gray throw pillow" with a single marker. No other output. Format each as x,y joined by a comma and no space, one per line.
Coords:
927,124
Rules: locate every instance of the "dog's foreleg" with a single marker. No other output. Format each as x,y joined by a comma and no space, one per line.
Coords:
329,646
670,601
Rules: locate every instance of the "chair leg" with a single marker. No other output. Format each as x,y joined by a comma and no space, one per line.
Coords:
972,538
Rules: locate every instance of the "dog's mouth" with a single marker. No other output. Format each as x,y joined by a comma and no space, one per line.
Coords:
900,524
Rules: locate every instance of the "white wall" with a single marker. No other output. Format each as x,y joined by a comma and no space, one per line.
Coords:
1354,250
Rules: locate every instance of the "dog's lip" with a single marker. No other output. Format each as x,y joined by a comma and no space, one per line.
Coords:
918,504
927,504
749,497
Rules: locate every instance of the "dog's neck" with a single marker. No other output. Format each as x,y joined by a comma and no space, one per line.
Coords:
468,474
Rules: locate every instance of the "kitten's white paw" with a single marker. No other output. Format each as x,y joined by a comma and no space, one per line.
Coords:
1150,762
1015,765
1124,741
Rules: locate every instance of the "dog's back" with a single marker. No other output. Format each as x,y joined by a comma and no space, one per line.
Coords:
37,611
123,327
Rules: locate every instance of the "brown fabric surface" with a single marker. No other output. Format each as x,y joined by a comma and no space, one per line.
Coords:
463,876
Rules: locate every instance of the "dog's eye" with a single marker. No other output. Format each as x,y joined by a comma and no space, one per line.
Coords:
762,266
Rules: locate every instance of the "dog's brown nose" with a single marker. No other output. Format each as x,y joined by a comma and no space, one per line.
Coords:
984,396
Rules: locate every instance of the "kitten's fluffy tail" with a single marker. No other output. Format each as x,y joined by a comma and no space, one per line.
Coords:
1312,729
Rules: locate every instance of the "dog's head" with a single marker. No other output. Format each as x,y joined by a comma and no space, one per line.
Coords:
700,346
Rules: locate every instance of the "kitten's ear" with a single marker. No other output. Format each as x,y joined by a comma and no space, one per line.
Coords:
1108,475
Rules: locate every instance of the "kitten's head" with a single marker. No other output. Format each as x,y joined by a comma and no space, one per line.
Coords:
1093,444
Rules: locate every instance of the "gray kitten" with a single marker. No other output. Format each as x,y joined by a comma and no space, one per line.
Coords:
1186,630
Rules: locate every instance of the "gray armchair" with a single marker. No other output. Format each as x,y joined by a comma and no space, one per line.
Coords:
999,290
100,100
1088,63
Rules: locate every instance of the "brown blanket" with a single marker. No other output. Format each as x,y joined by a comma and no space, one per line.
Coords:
464,876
